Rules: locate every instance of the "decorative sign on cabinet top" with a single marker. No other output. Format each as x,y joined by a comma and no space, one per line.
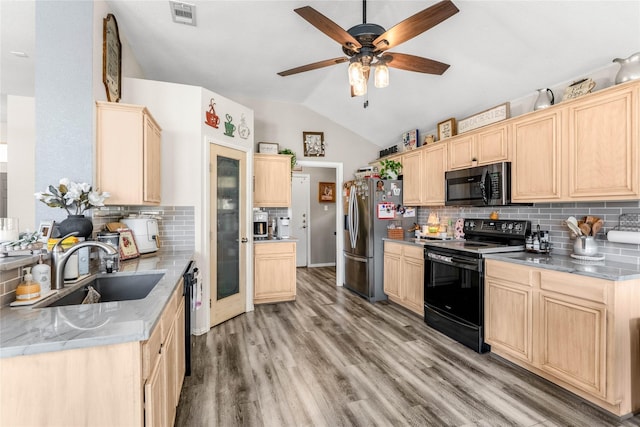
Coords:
487,117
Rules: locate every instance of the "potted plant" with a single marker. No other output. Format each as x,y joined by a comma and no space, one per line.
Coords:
292,154
75,198
390,169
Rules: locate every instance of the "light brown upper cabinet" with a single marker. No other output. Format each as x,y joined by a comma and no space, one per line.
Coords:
127,154
537,157
413,177
490,145
603,146
435,165
271,180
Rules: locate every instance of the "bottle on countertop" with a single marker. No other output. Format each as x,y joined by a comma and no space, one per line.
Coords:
28,289
41,273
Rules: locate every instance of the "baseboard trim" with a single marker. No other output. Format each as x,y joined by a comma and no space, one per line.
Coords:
326,264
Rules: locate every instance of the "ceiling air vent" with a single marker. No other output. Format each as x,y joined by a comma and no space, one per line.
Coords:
183,13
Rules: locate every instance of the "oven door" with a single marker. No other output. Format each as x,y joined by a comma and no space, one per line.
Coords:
454,285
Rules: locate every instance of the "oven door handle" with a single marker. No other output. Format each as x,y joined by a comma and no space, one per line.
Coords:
456,262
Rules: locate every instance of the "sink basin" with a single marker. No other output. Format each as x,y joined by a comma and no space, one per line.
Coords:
113,288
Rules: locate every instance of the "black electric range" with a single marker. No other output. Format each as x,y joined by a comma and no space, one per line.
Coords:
454,277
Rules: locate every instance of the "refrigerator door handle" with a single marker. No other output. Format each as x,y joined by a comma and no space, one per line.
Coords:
353,217
352,258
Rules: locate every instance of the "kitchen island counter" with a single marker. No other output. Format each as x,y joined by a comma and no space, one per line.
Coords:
27,330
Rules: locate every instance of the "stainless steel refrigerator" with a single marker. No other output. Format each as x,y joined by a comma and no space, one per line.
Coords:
367,207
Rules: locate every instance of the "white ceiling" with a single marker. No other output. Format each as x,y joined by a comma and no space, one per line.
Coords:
498,51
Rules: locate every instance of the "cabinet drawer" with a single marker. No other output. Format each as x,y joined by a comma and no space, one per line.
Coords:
510,272
575,285
416,252
151,351
274,248
393,248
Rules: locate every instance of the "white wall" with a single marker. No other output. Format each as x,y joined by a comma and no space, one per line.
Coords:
180,112
284,123
20,166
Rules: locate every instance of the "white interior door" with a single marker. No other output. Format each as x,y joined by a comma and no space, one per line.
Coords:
300,189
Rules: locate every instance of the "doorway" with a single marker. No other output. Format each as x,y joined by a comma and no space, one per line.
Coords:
300,220
335,174
228,209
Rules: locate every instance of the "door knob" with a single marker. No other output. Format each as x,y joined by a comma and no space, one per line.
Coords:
244,240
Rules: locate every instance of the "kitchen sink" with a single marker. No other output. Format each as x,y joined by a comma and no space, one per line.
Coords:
112,288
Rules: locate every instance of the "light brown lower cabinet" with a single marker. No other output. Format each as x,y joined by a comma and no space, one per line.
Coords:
579,332
274,271
404,275
127,384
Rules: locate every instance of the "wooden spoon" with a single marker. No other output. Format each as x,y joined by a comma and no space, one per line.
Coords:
585,228
596,227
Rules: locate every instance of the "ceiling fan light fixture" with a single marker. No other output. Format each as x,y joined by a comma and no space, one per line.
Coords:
381,75
360,88
356,74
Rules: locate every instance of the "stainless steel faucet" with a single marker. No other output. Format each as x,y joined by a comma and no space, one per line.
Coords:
59,257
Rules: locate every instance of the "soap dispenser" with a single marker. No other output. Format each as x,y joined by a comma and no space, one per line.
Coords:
41,273
28,290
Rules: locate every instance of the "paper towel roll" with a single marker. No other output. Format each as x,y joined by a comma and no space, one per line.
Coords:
632,237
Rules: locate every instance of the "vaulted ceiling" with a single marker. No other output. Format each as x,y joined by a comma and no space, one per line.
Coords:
498,51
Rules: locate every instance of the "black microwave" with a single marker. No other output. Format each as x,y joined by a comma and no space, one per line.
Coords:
488,185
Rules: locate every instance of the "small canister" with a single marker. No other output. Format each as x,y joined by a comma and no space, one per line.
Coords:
109,263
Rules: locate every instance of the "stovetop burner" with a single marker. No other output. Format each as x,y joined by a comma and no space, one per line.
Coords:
489,236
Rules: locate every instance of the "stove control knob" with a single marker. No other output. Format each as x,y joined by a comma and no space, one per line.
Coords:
504,226
510,226
518,226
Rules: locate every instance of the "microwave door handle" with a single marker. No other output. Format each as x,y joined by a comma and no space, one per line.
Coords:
483,186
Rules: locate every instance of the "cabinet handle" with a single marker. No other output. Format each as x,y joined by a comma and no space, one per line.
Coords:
244,240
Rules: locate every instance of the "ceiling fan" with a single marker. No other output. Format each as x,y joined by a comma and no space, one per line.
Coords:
366,45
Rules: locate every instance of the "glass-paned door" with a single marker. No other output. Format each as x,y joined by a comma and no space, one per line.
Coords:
228,231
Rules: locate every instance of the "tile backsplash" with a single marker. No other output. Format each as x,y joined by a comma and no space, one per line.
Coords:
176,226
551,217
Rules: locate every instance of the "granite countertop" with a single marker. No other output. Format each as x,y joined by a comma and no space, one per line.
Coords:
27,330
608,270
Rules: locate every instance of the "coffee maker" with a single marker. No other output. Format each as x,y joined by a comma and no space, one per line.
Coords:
260,219
283,228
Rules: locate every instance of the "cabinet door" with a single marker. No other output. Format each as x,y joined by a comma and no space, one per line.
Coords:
412,289
151,161
435,165
492,146
169,360
537,157
573,341
272,180
461,152
412,177
274,272
392,269
180,351
603,147
508,318
154,393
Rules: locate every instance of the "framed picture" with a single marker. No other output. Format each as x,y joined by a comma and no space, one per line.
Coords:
111,58
327,192
313,144
446,129
128,247
268,147
45,229
410,140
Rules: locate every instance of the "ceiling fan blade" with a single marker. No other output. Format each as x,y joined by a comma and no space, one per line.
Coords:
328,27
314,66
414,63
416,24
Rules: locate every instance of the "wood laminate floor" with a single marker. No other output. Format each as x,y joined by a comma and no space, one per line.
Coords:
333,359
